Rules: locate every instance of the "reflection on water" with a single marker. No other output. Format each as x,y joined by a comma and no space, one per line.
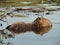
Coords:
30,38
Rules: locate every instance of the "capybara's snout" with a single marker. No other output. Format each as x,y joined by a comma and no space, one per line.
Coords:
8,27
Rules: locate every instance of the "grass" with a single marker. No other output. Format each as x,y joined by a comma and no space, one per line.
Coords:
1,11
20,16
14,3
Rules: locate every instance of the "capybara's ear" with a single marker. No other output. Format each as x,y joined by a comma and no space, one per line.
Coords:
8,27
38,19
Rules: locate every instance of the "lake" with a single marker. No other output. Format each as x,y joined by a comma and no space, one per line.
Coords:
30,38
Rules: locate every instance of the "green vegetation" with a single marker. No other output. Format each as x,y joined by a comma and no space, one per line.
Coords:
1,11
6,3
20,16
17,3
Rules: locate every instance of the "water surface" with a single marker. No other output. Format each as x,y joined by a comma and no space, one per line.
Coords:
30,38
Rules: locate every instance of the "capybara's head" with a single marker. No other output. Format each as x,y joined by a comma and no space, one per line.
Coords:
41,25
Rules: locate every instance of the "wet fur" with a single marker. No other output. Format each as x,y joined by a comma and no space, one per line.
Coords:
38,26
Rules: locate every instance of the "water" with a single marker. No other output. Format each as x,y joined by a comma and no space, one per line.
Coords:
51,38
30,38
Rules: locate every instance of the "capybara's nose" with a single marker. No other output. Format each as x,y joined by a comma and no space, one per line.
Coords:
8,27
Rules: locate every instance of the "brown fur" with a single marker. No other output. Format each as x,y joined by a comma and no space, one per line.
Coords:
38,26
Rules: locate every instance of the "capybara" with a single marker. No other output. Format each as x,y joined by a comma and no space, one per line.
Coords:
38,26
